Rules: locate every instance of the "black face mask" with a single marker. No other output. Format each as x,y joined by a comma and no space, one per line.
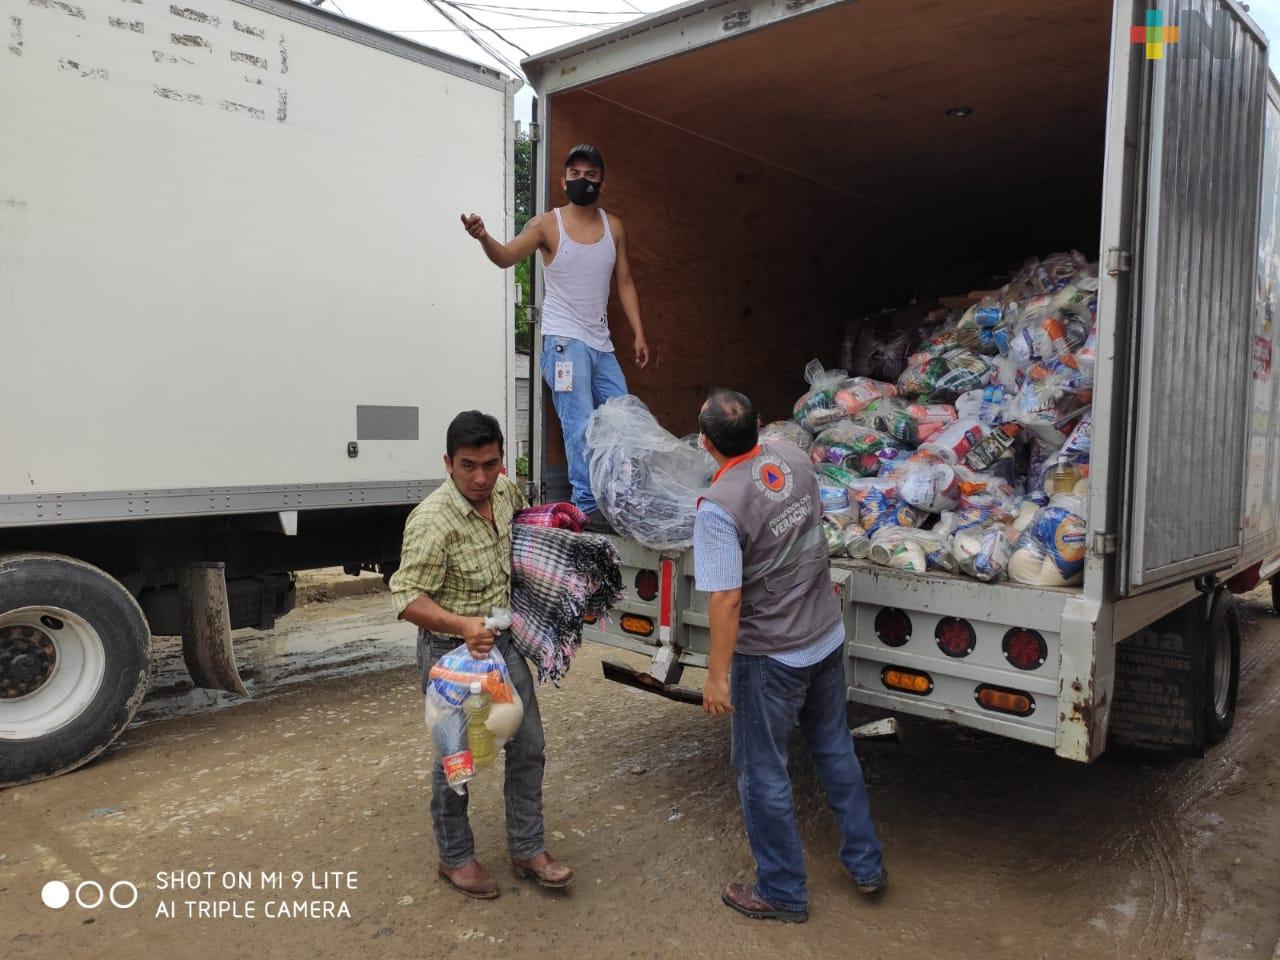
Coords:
582,191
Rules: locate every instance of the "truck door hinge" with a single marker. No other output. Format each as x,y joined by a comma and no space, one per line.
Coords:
736,20
1118,261
1104,544
534,315
535,132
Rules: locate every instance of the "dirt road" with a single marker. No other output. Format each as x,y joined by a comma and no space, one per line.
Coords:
996,849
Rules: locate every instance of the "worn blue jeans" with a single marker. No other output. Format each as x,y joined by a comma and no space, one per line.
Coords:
768,698
596,378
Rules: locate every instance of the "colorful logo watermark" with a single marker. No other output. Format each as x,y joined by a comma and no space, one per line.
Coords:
1155,35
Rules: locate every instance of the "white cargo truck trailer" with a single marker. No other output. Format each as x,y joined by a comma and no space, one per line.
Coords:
238,311
783,166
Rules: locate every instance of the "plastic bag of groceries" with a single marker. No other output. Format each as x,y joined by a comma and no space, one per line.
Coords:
1050,552
789,431
879,506
818,408
983,551
448,687
646,481
854,447
845,536
903,548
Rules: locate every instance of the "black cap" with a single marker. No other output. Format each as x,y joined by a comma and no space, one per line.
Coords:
587,152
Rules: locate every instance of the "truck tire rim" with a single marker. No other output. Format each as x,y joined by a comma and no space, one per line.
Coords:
1222,672
52,664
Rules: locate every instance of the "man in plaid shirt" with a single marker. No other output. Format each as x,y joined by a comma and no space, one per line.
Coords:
455,567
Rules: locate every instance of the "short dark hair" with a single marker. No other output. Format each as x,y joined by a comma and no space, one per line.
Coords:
471,428
728,420
587,152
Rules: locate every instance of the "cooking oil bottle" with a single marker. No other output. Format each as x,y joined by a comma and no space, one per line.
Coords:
479,737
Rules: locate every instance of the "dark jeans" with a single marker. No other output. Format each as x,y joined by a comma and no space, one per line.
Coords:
768,698
525,761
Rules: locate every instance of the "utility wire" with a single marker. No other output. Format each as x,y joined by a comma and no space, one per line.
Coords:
501,38
488,48
519,11
545,26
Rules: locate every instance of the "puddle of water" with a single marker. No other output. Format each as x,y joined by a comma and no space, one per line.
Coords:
300,649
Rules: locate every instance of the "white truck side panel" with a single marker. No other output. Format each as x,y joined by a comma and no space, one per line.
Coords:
221,231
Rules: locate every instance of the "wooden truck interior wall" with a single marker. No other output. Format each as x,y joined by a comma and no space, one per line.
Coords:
775,185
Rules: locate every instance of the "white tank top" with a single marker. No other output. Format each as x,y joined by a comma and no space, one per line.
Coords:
576,302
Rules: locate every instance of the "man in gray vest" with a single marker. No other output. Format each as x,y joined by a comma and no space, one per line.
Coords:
759,551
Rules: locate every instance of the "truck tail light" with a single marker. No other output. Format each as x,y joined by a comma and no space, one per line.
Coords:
908,681
1006,701
955,637
589,618
639,626
892,626
1025,649
647,585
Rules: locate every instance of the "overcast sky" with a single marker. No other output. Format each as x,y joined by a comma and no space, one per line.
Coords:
538,25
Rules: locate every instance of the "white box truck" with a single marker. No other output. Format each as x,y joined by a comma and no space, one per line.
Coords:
237,312
783,165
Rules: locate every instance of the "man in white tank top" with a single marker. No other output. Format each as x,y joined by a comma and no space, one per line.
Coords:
582,248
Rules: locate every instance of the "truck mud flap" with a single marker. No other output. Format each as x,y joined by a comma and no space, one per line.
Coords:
1159,690
631,677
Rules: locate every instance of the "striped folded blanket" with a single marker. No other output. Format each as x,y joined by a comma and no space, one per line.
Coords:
561,516
557,578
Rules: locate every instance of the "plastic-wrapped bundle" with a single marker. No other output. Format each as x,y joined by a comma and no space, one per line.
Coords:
966,371
909,423
954,443
986,326
835,496
1051,550
988,493
645,480
787,430
902,548
817,409
983,552
922,375
1045,333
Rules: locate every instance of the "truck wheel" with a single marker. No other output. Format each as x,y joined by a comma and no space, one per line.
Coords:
75,655
1222,667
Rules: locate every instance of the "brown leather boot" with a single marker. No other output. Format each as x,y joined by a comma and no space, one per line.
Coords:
546,869
471,879
741,897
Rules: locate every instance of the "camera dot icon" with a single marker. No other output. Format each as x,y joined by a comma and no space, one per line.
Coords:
55,894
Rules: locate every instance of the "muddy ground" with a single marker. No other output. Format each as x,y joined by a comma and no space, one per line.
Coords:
996,849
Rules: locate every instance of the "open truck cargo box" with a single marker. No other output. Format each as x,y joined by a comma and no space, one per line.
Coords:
783,168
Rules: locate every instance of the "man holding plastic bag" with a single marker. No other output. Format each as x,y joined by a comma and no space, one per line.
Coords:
455,571
760,552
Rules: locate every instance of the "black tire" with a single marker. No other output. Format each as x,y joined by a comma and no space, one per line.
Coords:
1222,667
1275,594
111,618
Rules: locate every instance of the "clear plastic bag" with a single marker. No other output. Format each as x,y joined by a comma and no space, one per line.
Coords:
931,487
449,685
789,431
902,548
954,443
877,508
845,536
1051,549
818,408
983,551
646,481
854,447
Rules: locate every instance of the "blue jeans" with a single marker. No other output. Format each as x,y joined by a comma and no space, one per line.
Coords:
768,698
596,378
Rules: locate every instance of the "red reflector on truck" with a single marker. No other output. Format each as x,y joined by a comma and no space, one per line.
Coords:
1005,701
955,637
893,627
647,585
1025,649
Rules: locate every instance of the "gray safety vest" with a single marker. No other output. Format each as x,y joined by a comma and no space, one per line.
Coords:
787,598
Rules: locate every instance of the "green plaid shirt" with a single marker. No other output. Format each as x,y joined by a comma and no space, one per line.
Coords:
454,555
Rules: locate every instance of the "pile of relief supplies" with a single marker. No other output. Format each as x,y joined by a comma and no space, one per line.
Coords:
968,451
